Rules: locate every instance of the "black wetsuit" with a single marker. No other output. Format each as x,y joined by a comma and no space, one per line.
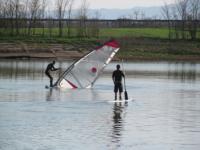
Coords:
117,78
49,68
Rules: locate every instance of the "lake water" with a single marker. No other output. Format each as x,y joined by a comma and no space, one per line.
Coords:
165,113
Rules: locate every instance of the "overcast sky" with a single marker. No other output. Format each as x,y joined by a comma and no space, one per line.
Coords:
123,4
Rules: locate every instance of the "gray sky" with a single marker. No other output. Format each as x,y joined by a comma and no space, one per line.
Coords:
124,3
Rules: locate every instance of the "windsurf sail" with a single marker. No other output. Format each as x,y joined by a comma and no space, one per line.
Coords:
84,72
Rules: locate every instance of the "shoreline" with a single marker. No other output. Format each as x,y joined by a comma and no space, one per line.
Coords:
130,50
74,55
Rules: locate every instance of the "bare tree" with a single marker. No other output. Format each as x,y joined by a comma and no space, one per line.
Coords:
176,24
1,14
43,9
9,13
143,15
49,22
195,9
1,8
26,15
136,14
94,26
69,13
17,11
82,16
167,15
182,7
34,6
61,8
194,12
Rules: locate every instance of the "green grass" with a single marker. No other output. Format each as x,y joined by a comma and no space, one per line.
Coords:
135,32
160,33
38,32
150,43
104,32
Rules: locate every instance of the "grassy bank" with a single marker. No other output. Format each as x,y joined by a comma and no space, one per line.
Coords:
159,49
161,33
135,43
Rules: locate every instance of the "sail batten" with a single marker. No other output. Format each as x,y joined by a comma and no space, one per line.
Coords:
84,72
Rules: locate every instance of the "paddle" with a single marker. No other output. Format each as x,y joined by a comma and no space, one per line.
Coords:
125,92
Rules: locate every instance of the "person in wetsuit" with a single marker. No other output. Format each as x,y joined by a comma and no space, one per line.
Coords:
50,67
117,80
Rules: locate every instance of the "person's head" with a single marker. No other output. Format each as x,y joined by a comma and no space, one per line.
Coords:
53,62
118,67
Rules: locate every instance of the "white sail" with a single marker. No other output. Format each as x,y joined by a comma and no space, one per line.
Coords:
84,72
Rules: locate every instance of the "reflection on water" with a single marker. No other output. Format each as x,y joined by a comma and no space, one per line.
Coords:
17,75
183,71
164,113
15,69
49,95
176,70
118,109
27,69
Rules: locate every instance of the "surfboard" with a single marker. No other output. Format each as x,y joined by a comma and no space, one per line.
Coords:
120,101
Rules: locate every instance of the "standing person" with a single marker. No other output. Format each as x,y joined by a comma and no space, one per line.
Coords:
117,80
50,67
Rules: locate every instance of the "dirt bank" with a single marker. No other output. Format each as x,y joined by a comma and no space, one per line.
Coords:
42,51
130,49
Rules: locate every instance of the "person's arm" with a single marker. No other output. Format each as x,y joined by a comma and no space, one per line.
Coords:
53,68
56,69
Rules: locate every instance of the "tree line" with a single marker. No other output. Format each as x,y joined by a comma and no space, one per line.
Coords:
23,17
188,12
